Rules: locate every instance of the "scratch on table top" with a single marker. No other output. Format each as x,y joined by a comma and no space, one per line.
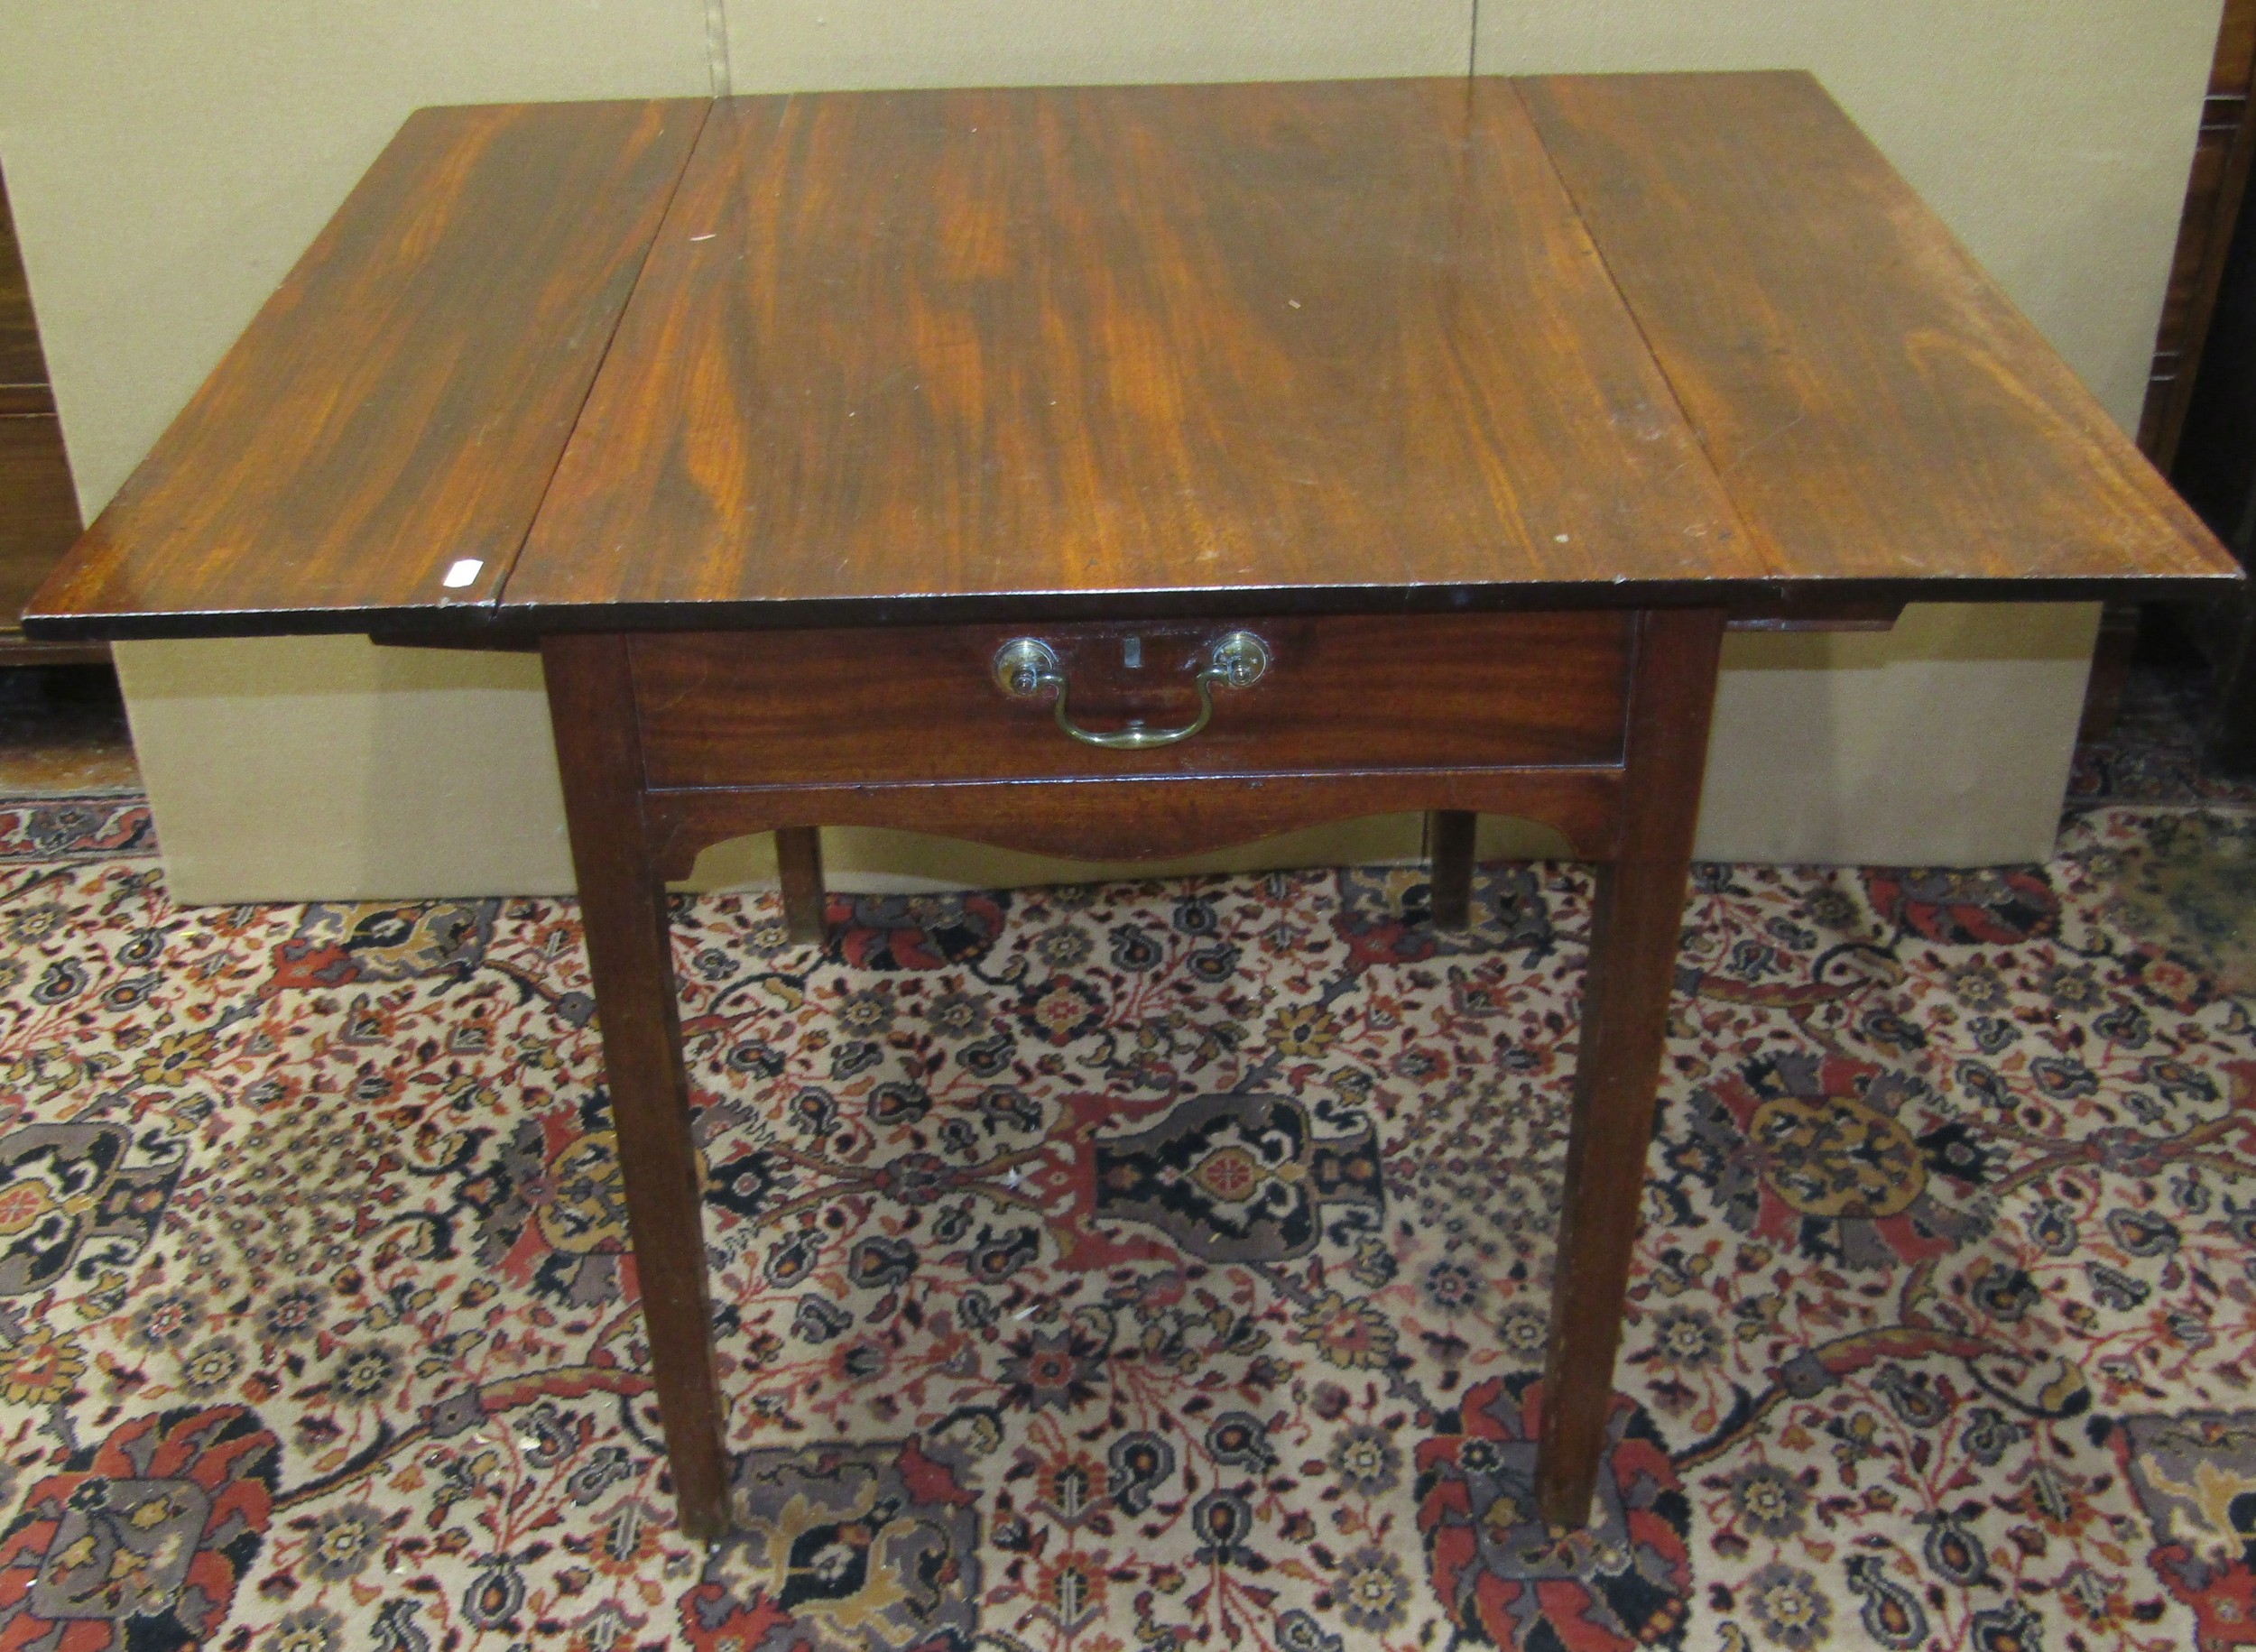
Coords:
1763,440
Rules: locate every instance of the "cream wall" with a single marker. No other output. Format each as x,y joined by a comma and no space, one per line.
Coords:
167,163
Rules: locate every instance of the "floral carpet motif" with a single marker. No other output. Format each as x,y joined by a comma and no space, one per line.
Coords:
100,825
1138,1267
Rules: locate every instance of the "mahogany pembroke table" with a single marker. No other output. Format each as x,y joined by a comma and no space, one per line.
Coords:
1213,460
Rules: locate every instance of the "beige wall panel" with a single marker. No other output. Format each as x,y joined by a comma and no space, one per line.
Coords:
325,768
1945,742
795,45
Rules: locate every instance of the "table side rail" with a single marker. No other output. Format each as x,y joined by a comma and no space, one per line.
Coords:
1147,820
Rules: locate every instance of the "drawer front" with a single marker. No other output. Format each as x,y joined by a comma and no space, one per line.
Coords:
1341,694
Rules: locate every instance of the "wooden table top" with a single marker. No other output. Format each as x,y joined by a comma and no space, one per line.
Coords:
1007,355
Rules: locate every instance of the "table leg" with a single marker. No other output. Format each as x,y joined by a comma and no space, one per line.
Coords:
799,869
1636,923
623,904
1449,835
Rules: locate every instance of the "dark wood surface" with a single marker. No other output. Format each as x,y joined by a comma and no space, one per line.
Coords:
971,349
2225,145
1451,836
622,909
920,703
399,404
2217,182
2215,468
39,507
1879,410
22,364
39,511
1135,820
1127,352
1636,922
798,872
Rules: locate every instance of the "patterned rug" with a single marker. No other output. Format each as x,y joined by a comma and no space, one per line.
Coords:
2153,754
96,825
1138,1267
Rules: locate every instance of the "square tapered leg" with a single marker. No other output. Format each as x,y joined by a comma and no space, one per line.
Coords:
622,904
1636,921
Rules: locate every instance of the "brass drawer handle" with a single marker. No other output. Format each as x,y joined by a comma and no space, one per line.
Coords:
1027,668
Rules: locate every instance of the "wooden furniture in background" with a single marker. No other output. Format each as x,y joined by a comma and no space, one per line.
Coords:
2224,148
39,510
2212,452
2223,151
2215,470
939,426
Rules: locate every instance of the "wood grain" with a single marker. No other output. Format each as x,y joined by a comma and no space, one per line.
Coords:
1137,819
1127,352
1636,924
39,505
400,402
39,509
967,353
22,363
638,1015
2225,145
1356,692
1451,836
1879,410
799,870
